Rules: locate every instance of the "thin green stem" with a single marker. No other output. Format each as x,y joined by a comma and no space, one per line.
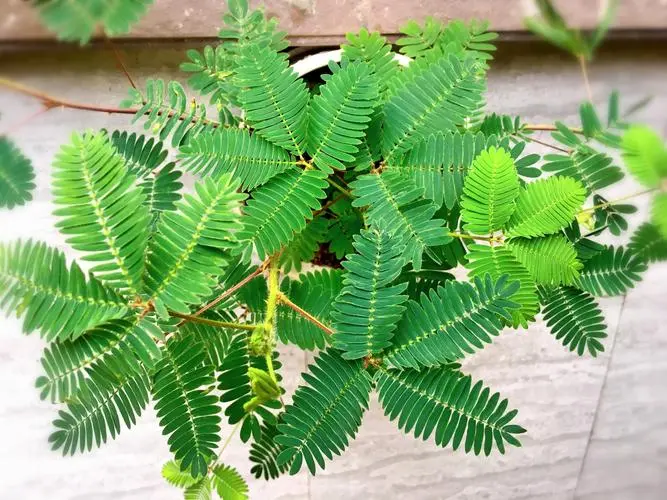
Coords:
584,73
211,322
541,127
464,236
340,188
614,202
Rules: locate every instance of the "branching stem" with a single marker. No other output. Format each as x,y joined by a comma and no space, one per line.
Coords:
283,299
546,144
614,202
211,322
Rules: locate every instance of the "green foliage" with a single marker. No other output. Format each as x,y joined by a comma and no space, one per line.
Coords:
94,413
78,20
274,98
54,298
181,263
315,292
575,319
122,346
281,208
142,155
370,304
396,206
489,193
500,261
229,484
185,409
168,111
264,454
612,272
339,115
445,403
325,414
551,260
248,158
394,173
546,206
413,113
645,155
648,244
16,175
451,321
372,49
594,170
101,210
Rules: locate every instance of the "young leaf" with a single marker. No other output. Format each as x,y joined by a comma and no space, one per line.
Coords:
54,298
576,320
445,403
101,210
274,98
339,115
175,476
489,192
372,49
396,206
370,304
191,244
612,272
451,321
551,260
16,176
546,206
645,155
280,208
659,213
499,261
186,412
324,414
229,484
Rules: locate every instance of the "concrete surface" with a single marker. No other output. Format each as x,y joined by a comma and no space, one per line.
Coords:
597,428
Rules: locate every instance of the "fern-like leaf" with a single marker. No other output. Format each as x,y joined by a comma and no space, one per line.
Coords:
187,413
593,169
201,490
339,115
551,260
250,159
16,175
304,246
648,244
98,408
325,414
142,155
123,346
452,320
499,261
440,163
274,98
546,206
659,213
168,111
315,292
280,208
372,49
54,298
396,206
489,192
162,191
101,210
371,303
445,403
645,155
612,272
229,484
576,320
439,99
181,262
264,454
175,476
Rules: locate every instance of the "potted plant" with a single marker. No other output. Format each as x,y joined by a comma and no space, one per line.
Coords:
389,175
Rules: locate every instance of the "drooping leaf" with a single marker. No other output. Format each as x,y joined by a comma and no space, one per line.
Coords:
16,175
612,272
648,244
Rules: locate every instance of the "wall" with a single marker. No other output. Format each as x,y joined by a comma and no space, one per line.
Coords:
597,428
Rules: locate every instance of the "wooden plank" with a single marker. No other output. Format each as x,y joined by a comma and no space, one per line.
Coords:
320,21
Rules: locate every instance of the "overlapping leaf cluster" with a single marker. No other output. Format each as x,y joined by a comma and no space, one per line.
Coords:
394,175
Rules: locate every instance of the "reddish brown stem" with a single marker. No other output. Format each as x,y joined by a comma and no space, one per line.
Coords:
283,299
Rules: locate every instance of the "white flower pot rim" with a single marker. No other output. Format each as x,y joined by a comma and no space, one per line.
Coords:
321,59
